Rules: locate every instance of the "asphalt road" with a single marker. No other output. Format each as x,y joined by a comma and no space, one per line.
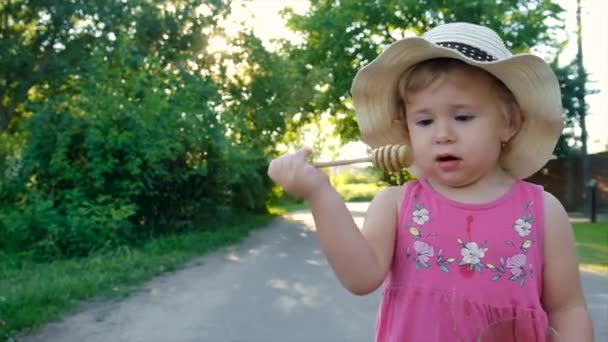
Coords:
274,286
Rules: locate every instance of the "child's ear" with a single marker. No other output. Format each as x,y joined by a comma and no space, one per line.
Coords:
514,122
401,120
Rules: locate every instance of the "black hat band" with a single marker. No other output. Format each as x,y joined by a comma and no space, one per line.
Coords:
469,51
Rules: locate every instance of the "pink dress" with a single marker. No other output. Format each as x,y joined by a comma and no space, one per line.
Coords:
459,267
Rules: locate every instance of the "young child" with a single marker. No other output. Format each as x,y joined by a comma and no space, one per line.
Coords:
469,243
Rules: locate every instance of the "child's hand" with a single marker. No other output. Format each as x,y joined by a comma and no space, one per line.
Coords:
296,175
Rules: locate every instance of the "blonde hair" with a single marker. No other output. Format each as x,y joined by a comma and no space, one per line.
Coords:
422,75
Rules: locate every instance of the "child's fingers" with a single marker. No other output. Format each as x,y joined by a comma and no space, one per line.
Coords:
275,168
288,163
300,159
306,152
295,174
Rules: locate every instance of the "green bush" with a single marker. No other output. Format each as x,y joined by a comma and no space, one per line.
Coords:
355,176
123,154
362,185
357,184
358,192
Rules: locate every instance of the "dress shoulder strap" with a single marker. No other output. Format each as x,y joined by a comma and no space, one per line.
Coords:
535,194
409,189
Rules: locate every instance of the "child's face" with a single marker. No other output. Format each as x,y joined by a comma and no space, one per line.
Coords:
456,126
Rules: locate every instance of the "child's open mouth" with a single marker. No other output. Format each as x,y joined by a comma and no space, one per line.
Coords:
447,157
448,162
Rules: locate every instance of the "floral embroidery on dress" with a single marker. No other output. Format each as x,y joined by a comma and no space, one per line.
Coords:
471,251
523,226
472,254
516,264
423,251
444,263
420,214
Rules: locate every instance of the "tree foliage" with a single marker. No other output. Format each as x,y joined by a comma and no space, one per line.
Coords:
138,130
43,43
342,36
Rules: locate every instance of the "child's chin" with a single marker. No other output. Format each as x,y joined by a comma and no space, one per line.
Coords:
452,180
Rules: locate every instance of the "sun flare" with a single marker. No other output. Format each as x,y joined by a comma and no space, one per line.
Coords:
217,44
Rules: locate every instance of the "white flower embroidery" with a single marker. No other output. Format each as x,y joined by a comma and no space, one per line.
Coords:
472,253
421,215
523,227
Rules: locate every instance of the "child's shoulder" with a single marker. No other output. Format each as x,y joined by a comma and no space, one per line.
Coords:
551,204
392,192
555,219
391,196
398,191
553,208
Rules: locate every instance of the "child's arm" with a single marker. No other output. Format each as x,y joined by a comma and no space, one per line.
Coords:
360,258
563,297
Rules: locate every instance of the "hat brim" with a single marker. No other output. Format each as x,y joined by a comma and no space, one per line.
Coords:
530,79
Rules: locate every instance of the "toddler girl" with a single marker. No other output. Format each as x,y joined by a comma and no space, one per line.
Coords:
468,243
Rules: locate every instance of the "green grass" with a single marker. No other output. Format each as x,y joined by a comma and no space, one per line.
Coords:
358,192
34,293
592,245
286,203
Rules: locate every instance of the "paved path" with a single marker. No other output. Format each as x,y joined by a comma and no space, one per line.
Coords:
595,287
275,286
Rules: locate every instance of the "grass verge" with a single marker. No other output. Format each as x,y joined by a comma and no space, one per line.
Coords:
592,245
34,293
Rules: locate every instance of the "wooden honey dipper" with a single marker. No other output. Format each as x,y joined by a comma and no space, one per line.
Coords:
390,158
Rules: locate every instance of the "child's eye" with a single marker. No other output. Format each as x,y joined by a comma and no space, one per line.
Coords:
464,117
424,122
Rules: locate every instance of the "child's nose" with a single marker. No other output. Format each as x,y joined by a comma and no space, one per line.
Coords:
444,132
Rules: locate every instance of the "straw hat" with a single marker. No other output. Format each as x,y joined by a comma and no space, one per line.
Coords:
530,79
